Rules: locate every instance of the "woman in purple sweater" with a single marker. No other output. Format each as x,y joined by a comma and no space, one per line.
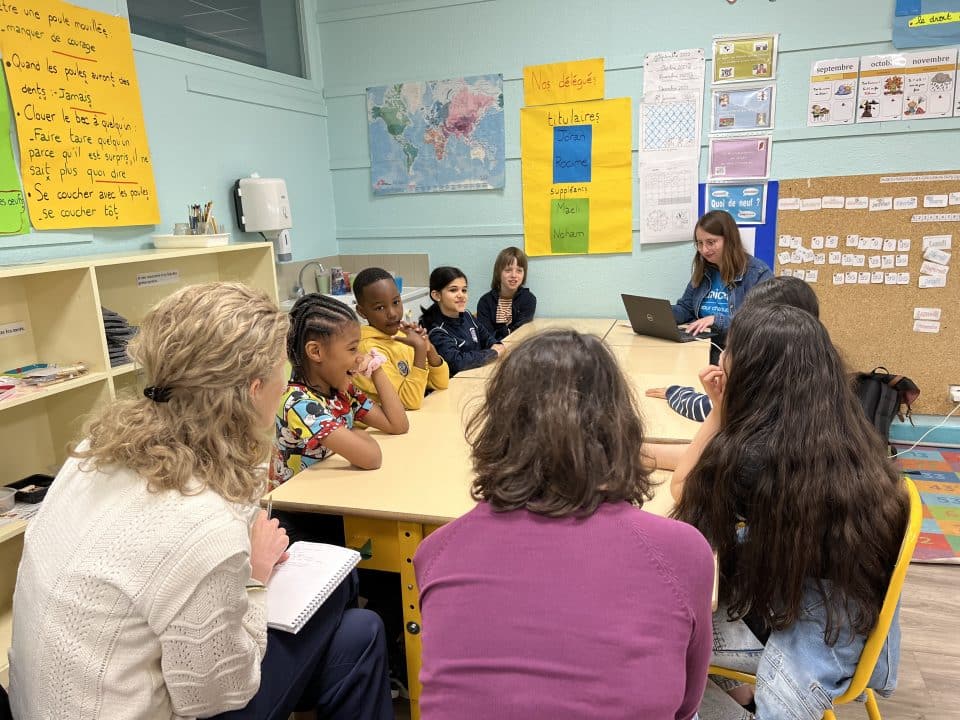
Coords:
557,596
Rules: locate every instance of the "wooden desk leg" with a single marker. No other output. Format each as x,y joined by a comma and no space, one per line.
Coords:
410,535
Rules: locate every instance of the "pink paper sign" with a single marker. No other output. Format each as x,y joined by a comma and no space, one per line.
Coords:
739,157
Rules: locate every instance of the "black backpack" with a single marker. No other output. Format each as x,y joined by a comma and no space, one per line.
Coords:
883,396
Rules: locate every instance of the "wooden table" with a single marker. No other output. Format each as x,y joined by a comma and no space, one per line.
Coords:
592,326
424,480
484,372
622,334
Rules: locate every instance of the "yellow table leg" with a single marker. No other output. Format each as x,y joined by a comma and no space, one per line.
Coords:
410,535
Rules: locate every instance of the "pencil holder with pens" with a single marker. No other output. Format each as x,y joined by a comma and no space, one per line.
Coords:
200,230
201,221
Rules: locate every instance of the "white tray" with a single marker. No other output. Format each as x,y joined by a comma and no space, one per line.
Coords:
190,241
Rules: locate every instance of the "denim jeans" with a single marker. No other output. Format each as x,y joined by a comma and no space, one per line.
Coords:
798,674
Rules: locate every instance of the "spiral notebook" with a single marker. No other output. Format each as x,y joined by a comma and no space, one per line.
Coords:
303,583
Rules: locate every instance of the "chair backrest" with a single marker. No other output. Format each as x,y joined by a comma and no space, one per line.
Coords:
878,636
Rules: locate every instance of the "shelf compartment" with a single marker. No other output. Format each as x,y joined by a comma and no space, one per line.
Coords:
50,318
34,434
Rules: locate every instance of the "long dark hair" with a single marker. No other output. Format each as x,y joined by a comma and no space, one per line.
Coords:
797,457
733,260
784,290
559,432
439,279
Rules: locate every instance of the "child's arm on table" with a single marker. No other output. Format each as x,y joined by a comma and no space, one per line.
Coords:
356,446
389,416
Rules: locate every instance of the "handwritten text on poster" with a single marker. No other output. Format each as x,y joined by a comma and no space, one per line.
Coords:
83,144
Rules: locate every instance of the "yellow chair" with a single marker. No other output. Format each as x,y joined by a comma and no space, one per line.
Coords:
877,636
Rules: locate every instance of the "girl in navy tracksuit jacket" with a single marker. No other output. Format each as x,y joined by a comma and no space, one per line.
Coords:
457,336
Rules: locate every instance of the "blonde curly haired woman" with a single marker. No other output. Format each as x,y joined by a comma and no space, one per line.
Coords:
141,589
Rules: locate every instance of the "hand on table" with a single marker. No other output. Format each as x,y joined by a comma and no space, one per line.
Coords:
700,325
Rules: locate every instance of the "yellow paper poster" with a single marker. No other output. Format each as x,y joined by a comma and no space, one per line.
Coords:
563,82
83,145
577,185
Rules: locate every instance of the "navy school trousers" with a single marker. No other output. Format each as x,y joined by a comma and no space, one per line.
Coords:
337,665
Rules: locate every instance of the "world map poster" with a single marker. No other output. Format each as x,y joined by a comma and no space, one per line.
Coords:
436,136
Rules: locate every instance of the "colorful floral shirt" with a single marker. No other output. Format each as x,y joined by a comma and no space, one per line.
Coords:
305,418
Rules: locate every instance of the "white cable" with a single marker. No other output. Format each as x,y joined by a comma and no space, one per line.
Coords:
935,427
709,340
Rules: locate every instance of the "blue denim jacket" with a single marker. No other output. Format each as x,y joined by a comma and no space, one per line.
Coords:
798,674
687,306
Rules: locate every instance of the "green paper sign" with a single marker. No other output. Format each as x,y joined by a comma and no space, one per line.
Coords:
13,211
570,225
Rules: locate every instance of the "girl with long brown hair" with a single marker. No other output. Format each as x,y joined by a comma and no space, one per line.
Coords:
723,274
792,487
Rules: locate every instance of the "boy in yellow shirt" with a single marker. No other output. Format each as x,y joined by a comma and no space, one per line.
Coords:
413,365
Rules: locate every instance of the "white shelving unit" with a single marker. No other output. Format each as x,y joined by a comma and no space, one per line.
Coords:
50,312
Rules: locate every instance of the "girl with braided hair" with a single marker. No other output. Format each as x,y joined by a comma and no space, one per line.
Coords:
317,414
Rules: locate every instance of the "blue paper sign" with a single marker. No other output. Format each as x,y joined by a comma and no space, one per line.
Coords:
765,235
572,146
926,23
745,201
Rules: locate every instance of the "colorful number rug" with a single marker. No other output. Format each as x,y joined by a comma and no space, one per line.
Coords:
936,471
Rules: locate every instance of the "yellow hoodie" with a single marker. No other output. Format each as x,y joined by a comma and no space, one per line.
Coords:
410,381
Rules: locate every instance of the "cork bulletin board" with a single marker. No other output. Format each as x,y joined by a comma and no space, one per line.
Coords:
878,250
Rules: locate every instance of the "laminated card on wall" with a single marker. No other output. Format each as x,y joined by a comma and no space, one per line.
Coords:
833,92
742,109
744,58
13,208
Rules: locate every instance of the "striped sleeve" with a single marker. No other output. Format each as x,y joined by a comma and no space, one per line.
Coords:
689,403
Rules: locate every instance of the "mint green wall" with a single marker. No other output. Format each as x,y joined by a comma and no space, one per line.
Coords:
210,121
374,43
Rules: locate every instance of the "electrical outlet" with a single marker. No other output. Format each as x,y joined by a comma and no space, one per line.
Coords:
955,393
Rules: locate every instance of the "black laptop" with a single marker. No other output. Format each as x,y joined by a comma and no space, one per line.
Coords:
654,317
